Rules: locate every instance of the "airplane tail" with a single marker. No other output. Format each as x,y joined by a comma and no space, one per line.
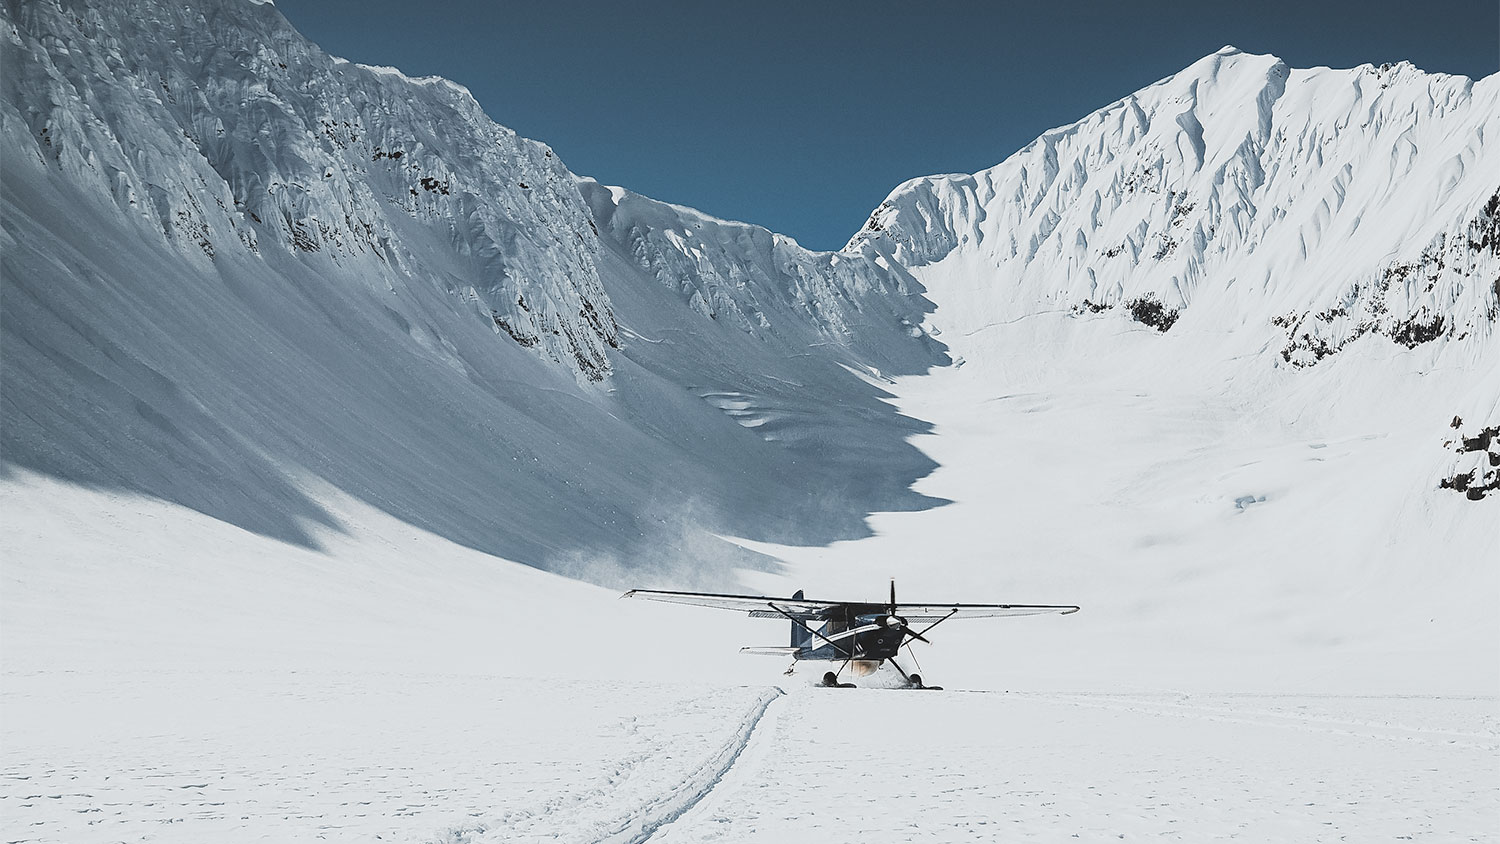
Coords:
801,638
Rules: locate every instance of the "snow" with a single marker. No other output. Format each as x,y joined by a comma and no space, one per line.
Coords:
437,333
316,458
264,692
1102,467
1238,191
175,756
383,70
998,766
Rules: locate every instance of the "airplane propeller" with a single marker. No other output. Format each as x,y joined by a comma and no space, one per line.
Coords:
899,623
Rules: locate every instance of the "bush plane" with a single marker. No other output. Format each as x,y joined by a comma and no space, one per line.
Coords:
858,634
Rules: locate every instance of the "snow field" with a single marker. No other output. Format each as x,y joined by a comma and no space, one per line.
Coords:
340,694
168,677
257,756
1221,533
865,765
185,756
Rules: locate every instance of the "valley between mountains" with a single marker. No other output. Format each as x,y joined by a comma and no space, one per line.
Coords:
336,416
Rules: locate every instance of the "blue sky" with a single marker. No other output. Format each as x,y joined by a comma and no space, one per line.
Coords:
801,116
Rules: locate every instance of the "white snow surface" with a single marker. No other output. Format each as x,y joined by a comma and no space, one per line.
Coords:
314,458
169,678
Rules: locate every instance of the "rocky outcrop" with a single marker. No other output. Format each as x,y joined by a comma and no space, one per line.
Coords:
1475,469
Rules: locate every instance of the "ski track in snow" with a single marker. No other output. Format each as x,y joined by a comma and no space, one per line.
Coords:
692,792
744,771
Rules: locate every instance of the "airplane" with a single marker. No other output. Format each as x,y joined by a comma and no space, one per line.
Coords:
859,633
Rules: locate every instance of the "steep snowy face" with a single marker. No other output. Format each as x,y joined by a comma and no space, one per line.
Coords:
1330,203
245,276
765,285
215,126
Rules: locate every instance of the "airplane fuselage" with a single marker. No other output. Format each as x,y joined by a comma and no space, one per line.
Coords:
862,632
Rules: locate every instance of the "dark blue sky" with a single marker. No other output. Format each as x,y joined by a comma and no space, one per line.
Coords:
801,116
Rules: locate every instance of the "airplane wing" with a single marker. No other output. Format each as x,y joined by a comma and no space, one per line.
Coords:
934,612
753,604
761,606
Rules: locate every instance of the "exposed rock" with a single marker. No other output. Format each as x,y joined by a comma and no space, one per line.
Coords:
1476,465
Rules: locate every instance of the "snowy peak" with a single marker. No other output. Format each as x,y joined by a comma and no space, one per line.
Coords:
1165,120
1300,191
215,126
767,286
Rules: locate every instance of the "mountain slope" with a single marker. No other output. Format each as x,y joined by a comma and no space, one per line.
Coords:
1228,377
1278,217
1338,203
234,265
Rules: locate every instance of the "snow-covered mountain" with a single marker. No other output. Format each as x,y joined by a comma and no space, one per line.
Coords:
234,263
308,367
1287,214
1334,203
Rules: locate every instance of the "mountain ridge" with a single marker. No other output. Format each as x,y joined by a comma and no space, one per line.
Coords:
1165,197
338,274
